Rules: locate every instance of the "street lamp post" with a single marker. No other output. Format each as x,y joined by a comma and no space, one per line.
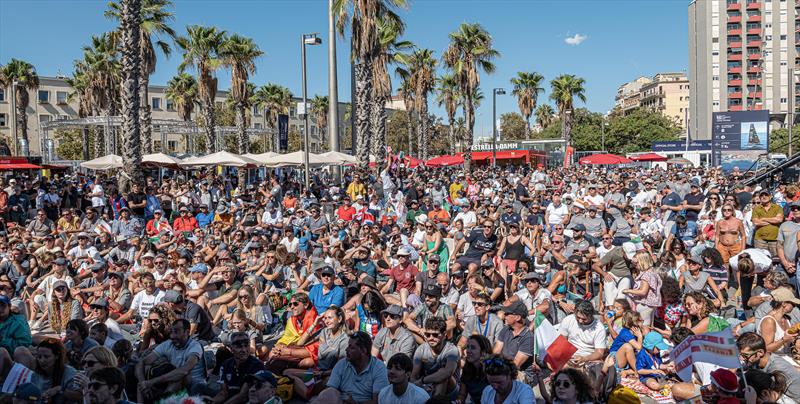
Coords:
307,39
495,92
14,117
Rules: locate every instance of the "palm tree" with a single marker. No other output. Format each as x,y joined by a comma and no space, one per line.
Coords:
130,27
182,91
24,75
460,128
449,97
363,18
275,100
544,115
469,52
154,24
407,92
422,66
390,51
319,110
102,66
201,47
79,82
527,87
565,88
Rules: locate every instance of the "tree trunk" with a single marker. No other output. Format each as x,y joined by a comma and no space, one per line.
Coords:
452,135
243,142
99,143
363,95
145,117
378,125
85,139
423,136
528,127
208,121
410,130
566,126
130,22
470,117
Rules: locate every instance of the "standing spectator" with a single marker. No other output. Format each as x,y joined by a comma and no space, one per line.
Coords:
767,217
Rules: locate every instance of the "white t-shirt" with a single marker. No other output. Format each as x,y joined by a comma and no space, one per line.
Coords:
142,302
291,246
521,393
98,200
413,395
468,218
601,250
465,305
596,200
542,294
555,215
585,338
47,285
761,259
159,276
268,219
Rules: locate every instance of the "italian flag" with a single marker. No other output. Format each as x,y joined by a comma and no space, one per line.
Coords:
549,346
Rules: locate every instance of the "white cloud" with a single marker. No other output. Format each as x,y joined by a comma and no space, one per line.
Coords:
575,40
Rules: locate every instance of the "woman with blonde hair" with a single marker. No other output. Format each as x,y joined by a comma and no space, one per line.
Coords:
646,293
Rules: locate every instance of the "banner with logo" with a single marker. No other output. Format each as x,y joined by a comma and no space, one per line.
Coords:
718,348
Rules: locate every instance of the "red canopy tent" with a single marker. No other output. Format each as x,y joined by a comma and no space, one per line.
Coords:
604,159
502,155
410,162
445,161
648,157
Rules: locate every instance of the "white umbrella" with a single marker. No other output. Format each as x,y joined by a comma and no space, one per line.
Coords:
336,158
160,160
294,159
262,158
108,162
222,158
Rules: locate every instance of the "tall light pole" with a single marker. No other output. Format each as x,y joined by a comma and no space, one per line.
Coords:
333,83
307,39
495,92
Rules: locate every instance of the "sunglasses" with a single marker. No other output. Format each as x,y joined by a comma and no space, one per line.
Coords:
154,320
243,296
432,335
89,363
607,238
60,289
558,242
294,304
392,316
96,385
563,383
240,344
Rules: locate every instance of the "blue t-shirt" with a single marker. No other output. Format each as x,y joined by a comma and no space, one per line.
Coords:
672,199
366,266
322,301
623,337
645,360
204,219
687,233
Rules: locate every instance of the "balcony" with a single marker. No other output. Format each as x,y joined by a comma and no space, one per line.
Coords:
734,6
735,83
754,5
735,56
737,45
757,94
754,44
754,82
754,56
753,18
737,69
737,94
754,31
754,69
734,19
735,108
737,31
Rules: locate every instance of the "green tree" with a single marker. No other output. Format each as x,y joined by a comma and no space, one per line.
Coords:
513,126
565,89
637,130
779,141
447,95
527,87
319,111
545,115
24,74
422,69
130,20
201,47
469,52
182,91
69,143
275,100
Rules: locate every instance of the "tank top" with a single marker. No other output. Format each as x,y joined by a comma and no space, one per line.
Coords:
779,333
515,250
691,284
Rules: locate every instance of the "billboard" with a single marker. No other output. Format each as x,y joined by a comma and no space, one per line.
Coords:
739,137
283,133
680,145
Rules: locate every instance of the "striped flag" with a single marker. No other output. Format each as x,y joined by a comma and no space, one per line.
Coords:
102,227
558,350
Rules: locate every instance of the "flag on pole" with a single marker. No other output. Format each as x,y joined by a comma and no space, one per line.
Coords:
102,227
551,347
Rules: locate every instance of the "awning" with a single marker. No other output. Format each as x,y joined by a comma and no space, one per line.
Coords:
649,157
445,161
19,166
604,159
501,155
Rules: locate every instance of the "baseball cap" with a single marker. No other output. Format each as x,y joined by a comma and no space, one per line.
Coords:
394,310
59,261
58,284
203,268
517,308
725,380
172,296
433,290
579,227
327,270
654,340
101,303
264,376
534,276
403,251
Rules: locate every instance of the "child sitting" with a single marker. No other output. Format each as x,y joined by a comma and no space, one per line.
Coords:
648,361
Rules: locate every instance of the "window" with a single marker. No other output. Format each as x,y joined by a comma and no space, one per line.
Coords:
44,96
61,97
156,144
783,37
257,125
256,110
156,103
156,128
63,117
172,146
3,120
44,118
170,105
2,94
784,100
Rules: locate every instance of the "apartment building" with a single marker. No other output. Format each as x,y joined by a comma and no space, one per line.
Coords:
740,55
51,101
667,93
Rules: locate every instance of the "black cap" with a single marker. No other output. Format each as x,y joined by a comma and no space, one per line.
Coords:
263,376
433,290
101,303
517,308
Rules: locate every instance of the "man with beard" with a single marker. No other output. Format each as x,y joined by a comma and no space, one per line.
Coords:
182,352
199,321
106,386
234,371
433,307
436,361
263,386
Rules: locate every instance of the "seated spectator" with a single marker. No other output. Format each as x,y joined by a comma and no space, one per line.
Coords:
400,390
292,350
436,361
106,385
263,388
234,371
649,364
473,377
503,384
515,342
433,307
585,333
482,323
184,356
754,355
326,293
14,331
571,386
393,337
78,342
360,377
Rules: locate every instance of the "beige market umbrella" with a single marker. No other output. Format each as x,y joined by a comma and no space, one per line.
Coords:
294,159
161,160
222,158
104,163
337,158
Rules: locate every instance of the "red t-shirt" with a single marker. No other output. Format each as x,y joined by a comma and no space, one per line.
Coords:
404,278
346,213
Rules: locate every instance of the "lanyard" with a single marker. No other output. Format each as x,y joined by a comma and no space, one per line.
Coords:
486,328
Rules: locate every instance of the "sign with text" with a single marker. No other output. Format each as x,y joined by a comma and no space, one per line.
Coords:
680,145
283,133
718,348
739,135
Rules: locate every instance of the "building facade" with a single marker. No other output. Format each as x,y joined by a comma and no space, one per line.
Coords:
51,101
667,93
741,53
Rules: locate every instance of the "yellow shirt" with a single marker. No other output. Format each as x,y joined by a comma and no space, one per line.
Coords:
355,189
454,188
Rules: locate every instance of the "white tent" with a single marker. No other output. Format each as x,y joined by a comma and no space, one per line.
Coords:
222,158
294,159
104,163
262,158
160,160
337,158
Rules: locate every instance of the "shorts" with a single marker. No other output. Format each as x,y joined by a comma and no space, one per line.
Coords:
728,251
464,261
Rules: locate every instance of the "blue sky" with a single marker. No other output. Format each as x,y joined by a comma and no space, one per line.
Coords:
610,42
